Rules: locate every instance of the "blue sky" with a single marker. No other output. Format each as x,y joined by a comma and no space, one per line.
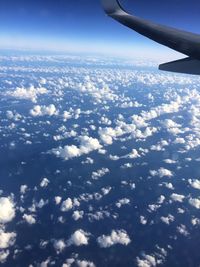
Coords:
81,25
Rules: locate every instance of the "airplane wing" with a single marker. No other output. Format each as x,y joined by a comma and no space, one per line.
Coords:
186,65
181,41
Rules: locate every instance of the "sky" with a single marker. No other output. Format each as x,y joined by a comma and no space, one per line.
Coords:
82,26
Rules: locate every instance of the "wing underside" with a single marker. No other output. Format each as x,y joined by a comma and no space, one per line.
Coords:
186,65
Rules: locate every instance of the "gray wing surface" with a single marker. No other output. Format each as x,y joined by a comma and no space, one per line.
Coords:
178,40
186,65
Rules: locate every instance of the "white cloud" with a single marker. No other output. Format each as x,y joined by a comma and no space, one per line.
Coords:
147,261
169,185
77,215
99,173
168,219
23,189
88,161
194,183
162,172
182,230
87,145
195,221
58,200
7,210
38,110
106,190
161,199
67,205
44,182
143,220
116,237
4,255
6,239
30,93
177,197
79,238
29,219
195,202
122,202
134,154
59,245
85,263
67,115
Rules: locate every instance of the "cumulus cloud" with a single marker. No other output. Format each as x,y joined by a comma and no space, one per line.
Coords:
195,202
85,263
194,183
58,200
133,155
99,173
30,219
59,245
117,237
87,145
168,219
182,230
77,215
79,238
6,239
177,197
7,210
30,93
23,189
44,182
67,205
122,202
38,110
162,172
147,261
4,255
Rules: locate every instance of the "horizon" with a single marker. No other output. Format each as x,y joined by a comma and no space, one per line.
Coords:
82,27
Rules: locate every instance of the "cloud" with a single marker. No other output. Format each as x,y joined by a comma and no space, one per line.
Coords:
30,93
7,210
122,202
77,215
58,199
67,205
4,255
38,110
23,189
87,145
116,237
79,238
168,219
194,183
85,263
44,182
147,261
29,219
59,245
177,197
99,173
7,239
182,230
162,172
195,202
143,220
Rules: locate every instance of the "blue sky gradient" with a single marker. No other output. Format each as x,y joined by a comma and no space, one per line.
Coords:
81,25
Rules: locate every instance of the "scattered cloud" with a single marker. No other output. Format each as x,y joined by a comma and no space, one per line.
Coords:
117,237
7,210
79,238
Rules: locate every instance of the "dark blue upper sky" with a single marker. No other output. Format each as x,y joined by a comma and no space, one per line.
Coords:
82,24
